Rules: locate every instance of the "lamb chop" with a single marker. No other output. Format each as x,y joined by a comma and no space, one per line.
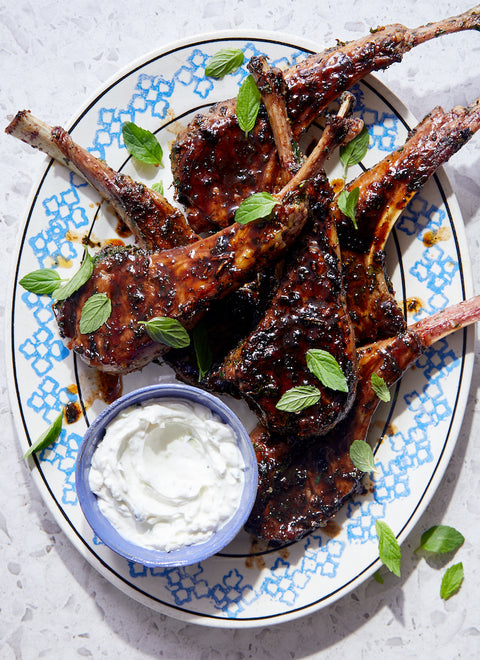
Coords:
384,191
303,484
155,223
215,166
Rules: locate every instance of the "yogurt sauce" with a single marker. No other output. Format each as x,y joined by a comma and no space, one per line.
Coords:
167,474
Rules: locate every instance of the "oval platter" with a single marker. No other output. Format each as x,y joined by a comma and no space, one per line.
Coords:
248,584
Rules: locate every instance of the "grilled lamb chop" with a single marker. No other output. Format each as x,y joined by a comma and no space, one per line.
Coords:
308,311
155,223
303,485
385,190
215,166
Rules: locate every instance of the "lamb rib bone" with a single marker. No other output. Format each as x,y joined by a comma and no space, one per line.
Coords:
155,223
303,485
215,166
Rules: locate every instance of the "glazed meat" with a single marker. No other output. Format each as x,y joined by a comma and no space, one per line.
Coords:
302,485
215,166
384,192
182,283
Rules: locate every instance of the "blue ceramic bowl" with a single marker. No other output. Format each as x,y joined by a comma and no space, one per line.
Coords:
187,554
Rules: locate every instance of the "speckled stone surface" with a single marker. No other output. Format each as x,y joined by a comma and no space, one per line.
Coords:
54,55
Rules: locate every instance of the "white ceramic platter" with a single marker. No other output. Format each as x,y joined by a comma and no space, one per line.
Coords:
247,585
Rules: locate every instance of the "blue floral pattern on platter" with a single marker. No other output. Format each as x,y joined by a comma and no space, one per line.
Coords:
228,587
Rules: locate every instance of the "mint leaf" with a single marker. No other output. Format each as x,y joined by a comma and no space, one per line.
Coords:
203,351
325,367
378,578
259,205
82,275
361,455
42,281
440,539
47,438
388,548
95,312
167,331
347,203
298,398
248,104
223,62
451,581
158,187
379,387
353,152
142,144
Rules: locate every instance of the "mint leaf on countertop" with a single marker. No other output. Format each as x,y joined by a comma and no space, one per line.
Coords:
388,548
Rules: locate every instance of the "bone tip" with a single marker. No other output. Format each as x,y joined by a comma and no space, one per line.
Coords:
19,117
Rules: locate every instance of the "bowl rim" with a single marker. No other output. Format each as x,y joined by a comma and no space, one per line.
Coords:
103,528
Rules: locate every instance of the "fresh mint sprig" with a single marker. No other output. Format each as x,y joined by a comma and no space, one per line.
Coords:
298,398
95,312
248,104
142,144
47,438
326,368
82,275
388,549
380,387
451,581
259,205
361,455
223,62
347,203
440,539
42,281
167,331
353,152
203,351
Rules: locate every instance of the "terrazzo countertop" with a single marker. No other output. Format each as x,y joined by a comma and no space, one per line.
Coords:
53,604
